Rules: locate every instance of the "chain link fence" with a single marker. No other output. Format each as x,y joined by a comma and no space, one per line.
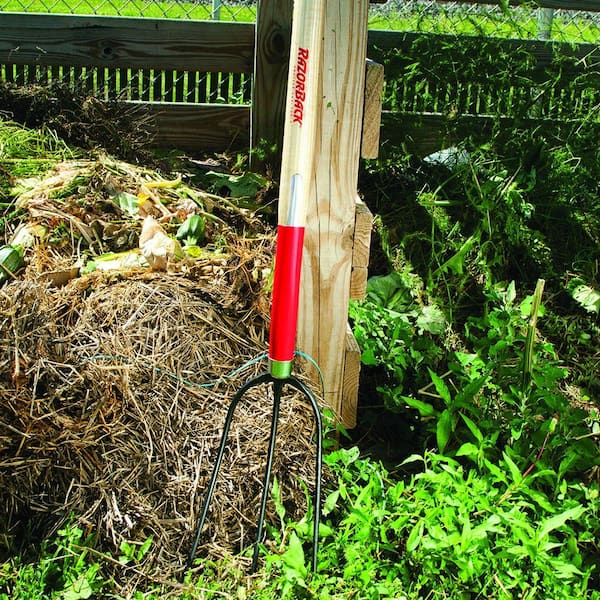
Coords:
216,10
426,16
489,20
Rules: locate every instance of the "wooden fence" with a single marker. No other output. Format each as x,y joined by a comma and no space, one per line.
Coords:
214,86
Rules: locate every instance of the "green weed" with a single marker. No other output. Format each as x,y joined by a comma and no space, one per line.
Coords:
64,569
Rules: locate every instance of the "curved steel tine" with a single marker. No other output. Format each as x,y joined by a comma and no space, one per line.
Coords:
296,383
213,479
278,387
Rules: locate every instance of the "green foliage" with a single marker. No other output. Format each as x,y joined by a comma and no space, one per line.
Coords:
452,529
64,570
394,329
132,552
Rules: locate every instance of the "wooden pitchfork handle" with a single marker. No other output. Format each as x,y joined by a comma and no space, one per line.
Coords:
298,162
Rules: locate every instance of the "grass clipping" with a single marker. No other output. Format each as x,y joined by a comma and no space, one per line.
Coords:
113,397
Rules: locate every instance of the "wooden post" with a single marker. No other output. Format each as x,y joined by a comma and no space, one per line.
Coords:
215,14
329,238
545,16
272,48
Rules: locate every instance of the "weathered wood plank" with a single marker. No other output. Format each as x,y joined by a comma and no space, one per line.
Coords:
331,214
126,42
542,50
273,36
199,128
423,134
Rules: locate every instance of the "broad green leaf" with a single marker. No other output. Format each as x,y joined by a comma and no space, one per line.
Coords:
519,551
293,557
192,230
80,589
389,291
490,525
432,319
564,570
468,449
473,428
559,520
425,409
443,430
368,357
514,470
587,297
566,463
325,530
143,549
510,294
495,471
239,186
441,387
414,539
538,497
456,263
412,458
127,202
526,307
330,502
466,536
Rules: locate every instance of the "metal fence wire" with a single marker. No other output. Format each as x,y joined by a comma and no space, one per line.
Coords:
427,16
523,22
526,21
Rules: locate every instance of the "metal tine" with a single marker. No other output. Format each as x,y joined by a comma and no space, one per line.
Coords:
278,385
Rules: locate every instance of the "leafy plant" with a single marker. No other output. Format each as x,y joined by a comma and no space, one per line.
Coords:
64,570
133,552
394,329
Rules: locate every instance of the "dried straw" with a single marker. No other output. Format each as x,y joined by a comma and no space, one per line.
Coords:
104,413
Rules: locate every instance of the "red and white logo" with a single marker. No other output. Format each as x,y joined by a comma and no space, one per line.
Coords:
299,95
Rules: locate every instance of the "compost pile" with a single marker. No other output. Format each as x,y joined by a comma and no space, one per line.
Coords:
117,372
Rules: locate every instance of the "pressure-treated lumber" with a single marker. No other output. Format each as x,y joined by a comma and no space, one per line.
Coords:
329,238
372,112
351,381
363,224
178,125
126,42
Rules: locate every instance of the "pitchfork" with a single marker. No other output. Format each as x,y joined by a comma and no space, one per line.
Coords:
297,168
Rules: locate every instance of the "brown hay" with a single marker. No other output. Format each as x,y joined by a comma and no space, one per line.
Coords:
103,414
